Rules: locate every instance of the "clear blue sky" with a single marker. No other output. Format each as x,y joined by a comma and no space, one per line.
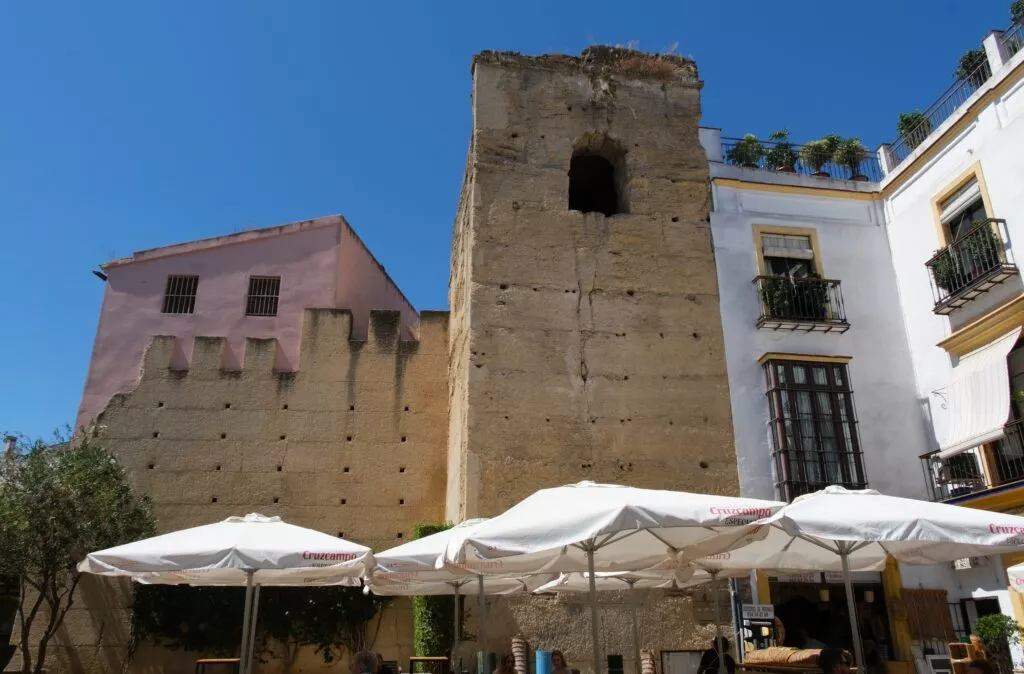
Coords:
127,125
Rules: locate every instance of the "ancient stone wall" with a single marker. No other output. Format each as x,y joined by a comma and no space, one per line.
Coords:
352,444
595,347
595,343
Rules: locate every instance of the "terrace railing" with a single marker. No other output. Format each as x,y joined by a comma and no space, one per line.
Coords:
776,156
938,112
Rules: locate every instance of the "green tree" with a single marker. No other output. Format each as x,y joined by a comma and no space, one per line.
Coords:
330,619
1017,11
58,502
999,632
209,619
433,618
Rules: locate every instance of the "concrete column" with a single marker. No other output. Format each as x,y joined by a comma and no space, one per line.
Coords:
997,56
885,158
711,141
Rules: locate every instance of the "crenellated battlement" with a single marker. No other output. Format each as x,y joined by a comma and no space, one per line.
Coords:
324,332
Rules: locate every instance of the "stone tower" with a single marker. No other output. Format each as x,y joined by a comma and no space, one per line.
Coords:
585,340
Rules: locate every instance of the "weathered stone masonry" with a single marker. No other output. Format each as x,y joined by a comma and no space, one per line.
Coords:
583,345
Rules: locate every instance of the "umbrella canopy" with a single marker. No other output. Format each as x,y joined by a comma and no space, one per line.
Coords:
867,526
226,552
411,568
617,528
610,582
1016,574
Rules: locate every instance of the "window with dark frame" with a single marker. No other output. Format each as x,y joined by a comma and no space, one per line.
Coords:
813,427
263,295
180,294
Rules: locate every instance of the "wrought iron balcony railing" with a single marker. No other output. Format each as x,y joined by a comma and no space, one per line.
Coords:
965,473
937,113
784,157
971,265
808,304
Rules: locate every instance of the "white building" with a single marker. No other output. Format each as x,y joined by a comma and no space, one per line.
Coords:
870,328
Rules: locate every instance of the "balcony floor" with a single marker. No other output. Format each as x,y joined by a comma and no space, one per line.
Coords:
976,287
802,325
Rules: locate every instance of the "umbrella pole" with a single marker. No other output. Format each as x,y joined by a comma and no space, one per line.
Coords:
636,629
593,610
458,623
718,622
481,628
851,603
252,626
243,651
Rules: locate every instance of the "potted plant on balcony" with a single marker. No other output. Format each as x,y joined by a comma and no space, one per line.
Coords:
781,156
913,128
812,297
970,66
777,296
747,152
946,271
815,155
851,153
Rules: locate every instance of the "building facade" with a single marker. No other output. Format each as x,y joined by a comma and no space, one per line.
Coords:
629,303
874,337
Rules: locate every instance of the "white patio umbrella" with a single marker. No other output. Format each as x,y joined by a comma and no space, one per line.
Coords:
613,582
862,528
596,527
411,569
1016,576
252,551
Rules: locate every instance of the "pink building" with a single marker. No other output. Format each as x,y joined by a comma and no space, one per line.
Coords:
251,284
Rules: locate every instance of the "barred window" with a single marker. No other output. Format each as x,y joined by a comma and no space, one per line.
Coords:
813,427
263,295
180,294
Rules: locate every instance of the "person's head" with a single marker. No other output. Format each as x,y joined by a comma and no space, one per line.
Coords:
722,645
364,662
558,659
833,661
980,667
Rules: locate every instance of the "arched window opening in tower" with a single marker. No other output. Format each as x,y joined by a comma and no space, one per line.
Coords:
597,177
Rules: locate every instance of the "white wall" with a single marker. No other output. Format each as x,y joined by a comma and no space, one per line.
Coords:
996,140
854,250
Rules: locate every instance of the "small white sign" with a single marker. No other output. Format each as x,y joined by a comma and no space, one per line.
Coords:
759,612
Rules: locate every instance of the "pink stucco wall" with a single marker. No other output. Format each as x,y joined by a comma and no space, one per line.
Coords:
321,264
364,285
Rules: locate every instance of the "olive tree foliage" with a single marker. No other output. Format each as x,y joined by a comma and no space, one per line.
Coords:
59,501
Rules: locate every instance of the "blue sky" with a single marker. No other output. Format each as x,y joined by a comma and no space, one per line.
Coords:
126,125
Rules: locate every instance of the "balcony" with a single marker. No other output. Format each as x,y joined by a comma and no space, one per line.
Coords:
973,264
800,304
977,470
784,157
